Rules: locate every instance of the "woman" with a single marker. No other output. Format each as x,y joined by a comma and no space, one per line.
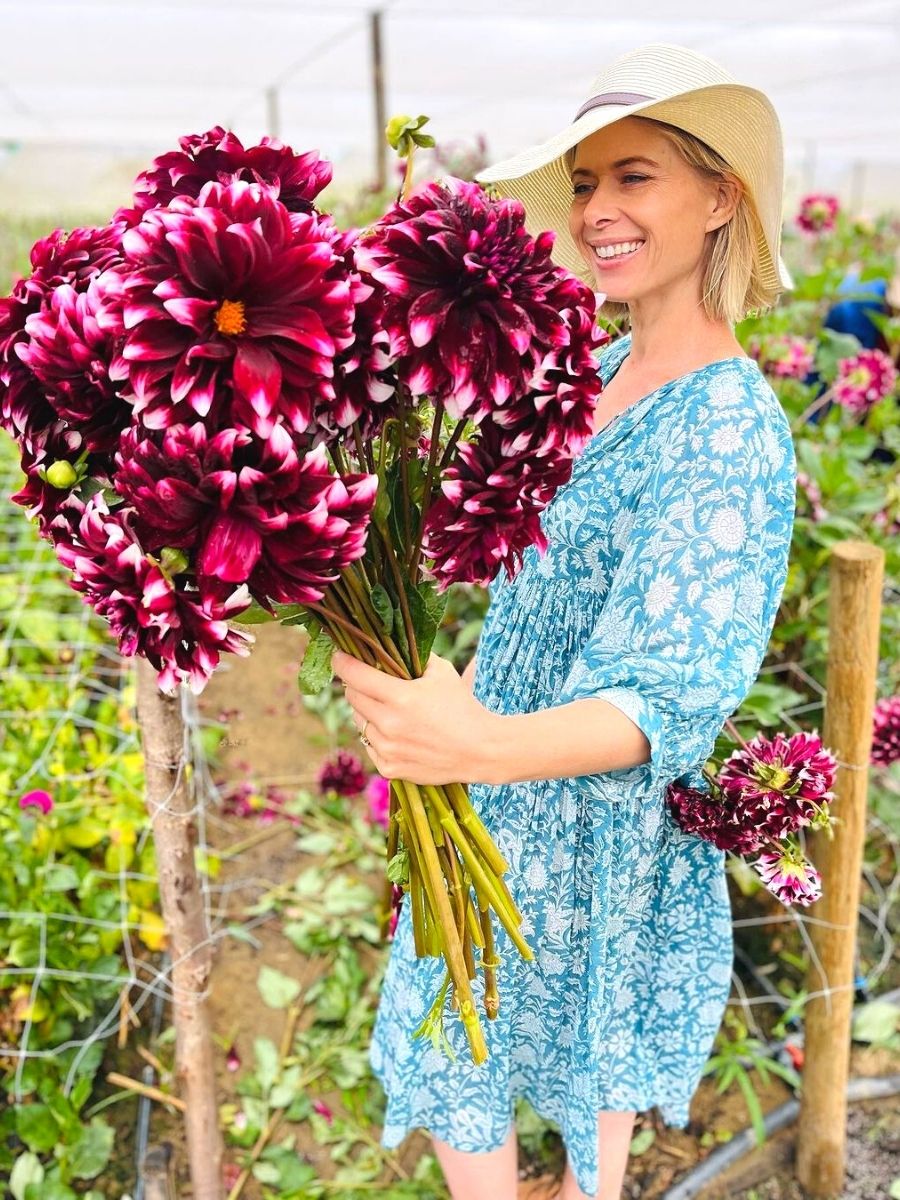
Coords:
607,667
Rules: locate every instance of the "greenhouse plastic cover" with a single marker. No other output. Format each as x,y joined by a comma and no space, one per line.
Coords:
91,89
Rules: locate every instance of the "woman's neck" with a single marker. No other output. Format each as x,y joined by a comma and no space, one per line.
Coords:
671,335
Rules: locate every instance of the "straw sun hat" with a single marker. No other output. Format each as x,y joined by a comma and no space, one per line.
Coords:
673,84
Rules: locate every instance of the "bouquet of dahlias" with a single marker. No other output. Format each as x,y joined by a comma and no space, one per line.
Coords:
763,794
229,408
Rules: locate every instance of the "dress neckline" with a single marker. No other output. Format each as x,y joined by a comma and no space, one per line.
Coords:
637,406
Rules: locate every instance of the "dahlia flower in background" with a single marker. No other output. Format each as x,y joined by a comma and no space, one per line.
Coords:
886,732
344,774
763,794
864,380
818,213
230,410
783,355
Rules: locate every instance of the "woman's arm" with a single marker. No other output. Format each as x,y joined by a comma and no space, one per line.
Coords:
468,675
582,738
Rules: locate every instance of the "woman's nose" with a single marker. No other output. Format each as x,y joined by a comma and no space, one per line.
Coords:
600,207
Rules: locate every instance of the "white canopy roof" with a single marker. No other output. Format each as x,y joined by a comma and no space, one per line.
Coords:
90,90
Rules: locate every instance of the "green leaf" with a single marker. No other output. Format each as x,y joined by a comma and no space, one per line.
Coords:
894,1193
384,609
60,877
36,1127
315,670
254,615
319,842
266,1054
90,1153
277,989
26,1169
641,1142
753,1106
398,867
876,1021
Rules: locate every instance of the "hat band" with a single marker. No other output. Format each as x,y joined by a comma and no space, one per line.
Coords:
611,98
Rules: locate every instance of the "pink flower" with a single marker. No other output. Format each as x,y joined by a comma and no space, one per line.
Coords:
37,799
818,213
886,732
864,380
784,356
323,1110
705,814
234,309
813,494
776,785
789,876
232,1059
344,774
220,157
378,794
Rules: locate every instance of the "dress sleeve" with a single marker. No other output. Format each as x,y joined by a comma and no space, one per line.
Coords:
685,625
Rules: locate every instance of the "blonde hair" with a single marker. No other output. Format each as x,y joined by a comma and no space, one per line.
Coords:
731,282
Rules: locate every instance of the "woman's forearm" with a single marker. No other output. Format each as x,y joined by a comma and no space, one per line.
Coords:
580,738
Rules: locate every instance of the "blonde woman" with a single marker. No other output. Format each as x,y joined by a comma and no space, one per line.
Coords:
607,667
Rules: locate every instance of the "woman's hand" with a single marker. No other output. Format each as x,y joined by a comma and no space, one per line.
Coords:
426,730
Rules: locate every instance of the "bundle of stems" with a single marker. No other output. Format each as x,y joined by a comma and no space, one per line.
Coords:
452,872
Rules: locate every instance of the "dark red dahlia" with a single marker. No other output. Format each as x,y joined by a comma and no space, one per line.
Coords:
886,732
69,349
218,156
60,259
705,815
180,630
234,309
473,304
252,510
49,461
344,774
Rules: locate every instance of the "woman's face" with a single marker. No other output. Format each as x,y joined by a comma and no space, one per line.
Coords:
635,196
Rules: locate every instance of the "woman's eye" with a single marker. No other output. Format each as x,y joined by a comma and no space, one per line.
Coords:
625,178
576,190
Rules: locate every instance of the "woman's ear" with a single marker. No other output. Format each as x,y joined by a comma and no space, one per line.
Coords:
727,192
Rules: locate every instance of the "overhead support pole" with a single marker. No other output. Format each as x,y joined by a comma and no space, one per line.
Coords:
273,116
379,106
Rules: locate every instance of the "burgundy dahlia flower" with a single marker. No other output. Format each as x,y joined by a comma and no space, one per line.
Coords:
344,774
886,732
778,785
218,156
789,876
706,815
49,461
473,301
69,348
252,510
181,632
234,310
818,213
60,259
864,380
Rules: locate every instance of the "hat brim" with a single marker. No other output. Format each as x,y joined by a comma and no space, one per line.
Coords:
738,122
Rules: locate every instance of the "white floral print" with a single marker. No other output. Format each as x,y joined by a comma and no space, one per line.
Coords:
658,591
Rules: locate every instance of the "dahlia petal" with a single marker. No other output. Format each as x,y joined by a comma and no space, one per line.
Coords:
231,550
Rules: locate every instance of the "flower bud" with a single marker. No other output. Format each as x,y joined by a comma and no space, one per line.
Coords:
172,560
61,474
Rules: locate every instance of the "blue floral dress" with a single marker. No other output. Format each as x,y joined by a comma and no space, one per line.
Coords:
667,557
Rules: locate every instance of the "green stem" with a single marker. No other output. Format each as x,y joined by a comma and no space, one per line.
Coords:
404,605
426,496
451,445
327,614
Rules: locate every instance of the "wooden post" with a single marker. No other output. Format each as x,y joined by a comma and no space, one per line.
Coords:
169,798
854,615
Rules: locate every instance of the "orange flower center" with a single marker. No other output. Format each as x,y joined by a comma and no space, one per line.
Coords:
230,317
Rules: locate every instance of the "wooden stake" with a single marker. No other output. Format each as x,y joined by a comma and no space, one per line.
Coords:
854,616
169,800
